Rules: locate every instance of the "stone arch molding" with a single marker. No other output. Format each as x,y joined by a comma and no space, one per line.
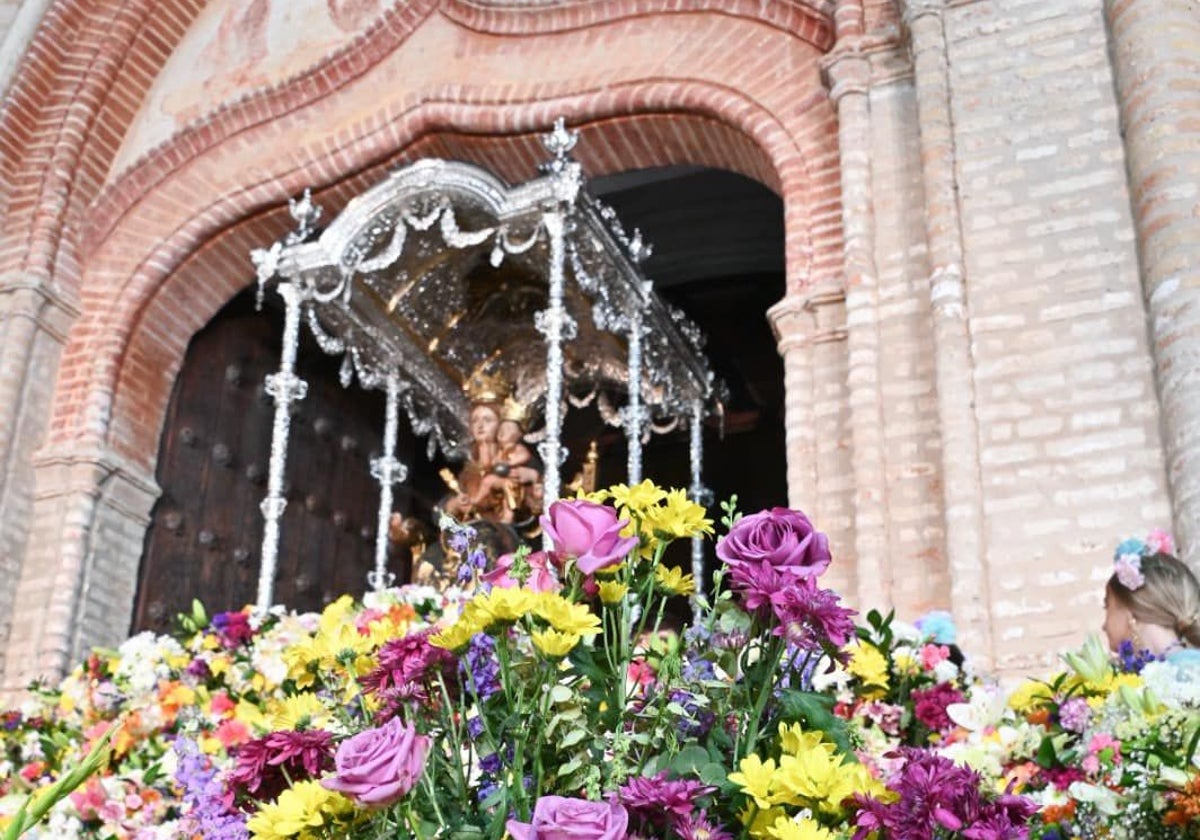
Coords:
164,243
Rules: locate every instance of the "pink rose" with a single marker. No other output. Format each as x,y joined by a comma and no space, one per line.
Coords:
378,767
783,540
541,576
561,818
589,533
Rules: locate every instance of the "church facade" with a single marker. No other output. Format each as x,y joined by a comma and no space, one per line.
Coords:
990,331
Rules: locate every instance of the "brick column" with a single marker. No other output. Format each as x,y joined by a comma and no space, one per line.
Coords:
33,328
954,367
848,72
792,323
80,573
1155,47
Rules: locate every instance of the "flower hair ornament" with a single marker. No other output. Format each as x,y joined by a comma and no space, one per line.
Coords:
1127,559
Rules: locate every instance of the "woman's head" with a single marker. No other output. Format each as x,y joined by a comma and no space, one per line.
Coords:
484,420
1163,594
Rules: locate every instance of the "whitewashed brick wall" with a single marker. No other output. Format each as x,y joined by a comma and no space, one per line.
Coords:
1068,416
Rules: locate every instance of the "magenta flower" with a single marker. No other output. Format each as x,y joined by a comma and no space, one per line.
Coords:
930,706
700,827
265,766
657,798
811,617
563,818
405,663
377,767
588,533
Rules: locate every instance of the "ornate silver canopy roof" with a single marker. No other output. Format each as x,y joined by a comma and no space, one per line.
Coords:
442,270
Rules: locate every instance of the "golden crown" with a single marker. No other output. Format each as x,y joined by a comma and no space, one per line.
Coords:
515,411
485,387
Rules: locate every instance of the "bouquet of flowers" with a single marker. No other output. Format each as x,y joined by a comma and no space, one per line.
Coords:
549,696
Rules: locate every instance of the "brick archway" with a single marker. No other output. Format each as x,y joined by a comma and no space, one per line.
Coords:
163,246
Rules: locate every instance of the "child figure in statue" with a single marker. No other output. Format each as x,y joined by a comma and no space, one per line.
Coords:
1152,603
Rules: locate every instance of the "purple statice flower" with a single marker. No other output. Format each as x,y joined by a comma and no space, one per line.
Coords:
657,799
811,617
474,727
232,628
696,669
205,810
697,826
929,706
1131,661
267,765
490,763
695,720
460,537
480,667
1074,714
474,564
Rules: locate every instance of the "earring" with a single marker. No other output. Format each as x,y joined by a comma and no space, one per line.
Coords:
1134,637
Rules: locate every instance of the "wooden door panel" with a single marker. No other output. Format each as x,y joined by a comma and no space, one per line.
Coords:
206,529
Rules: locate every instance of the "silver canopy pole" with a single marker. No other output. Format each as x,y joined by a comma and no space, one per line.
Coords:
554,323
699,494
633,410
388,472
286,388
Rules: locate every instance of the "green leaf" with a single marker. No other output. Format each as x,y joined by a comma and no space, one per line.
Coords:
713,774
689,760
1046,756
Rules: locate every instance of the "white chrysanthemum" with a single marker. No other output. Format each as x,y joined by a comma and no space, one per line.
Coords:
31,747
902,631
144,660
945,671
984,757
1173,684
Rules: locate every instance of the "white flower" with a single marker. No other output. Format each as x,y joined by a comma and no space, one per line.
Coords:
945,671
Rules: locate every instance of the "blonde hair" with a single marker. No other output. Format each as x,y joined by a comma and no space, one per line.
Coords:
1170,596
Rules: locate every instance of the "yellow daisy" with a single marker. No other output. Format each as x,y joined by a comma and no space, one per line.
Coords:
673,581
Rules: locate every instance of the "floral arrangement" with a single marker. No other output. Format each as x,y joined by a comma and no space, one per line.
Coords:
551,695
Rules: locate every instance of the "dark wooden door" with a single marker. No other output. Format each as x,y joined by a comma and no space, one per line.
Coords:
206,530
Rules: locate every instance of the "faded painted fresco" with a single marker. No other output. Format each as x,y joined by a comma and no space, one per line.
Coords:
236,46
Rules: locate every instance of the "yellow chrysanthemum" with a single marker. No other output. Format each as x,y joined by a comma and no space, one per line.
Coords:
566,617
804,828
638,498
299,810
869,665
335,648
1029,695
251,715
553,644
763,819
299,711
679,517
502,605
612,591
455,637
756,778
673,581
794,740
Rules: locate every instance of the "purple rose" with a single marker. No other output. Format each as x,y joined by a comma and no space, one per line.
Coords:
782,539
561,818
589,533
378,766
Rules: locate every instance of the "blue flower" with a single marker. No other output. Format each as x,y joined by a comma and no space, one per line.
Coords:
1133,546
938,625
